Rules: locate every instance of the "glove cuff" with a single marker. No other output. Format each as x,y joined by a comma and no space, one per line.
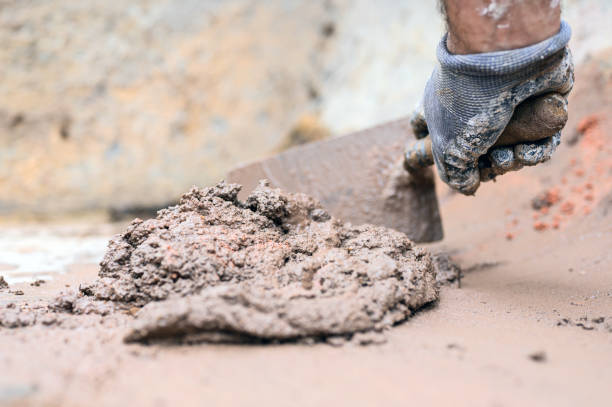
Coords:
503,62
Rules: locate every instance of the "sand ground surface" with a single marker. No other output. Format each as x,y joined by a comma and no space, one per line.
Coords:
530,324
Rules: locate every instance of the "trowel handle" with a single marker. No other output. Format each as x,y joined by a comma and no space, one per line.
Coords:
535,119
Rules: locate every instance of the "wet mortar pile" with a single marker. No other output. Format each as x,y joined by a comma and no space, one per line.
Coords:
275,267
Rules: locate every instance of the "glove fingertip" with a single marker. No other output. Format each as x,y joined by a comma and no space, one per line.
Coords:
418,123
467,182
502,158
536,153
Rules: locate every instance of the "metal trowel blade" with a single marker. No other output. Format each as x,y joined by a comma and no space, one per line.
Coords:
358,178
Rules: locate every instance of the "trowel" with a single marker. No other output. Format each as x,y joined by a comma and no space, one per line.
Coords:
382,175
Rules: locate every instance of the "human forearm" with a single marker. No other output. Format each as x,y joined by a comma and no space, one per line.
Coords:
476,26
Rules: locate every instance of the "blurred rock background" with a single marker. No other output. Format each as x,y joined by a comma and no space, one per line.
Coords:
109,105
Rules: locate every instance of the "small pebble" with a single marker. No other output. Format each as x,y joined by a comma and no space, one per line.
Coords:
539,356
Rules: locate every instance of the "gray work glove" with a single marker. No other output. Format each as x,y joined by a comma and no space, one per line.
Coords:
469,100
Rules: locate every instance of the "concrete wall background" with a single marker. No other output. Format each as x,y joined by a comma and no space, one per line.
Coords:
108,103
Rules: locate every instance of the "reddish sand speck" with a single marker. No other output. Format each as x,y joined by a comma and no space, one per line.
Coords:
588,123
567,208
540,226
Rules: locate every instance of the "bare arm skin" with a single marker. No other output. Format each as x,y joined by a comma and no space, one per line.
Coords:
476,26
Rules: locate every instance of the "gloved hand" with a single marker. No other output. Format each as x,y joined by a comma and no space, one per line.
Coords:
469,100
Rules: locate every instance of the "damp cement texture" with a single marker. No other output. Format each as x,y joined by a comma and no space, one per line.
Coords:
273,267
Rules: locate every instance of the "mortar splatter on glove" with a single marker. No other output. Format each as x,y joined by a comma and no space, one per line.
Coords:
469,100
